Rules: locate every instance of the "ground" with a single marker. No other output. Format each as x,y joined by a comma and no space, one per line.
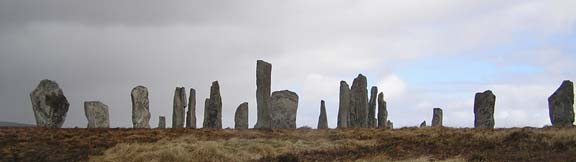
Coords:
406,144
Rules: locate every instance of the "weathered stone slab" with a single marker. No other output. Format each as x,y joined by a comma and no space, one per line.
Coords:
437,117
322,119
191,114
97,114
213,115
344,106
561,105
484,109
179,107
263,83
423,124
241,116
382,111
372,107
49,104
140,107
283,109
162,122
359,103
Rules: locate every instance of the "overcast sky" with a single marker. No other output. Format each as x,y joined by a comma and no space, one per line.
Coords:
421,54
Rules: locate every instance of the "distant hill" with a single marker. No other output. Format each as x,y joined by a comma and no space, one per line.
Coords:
12,124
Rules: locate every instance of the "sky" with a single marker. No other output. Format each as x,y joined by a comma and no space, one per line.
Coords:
421,54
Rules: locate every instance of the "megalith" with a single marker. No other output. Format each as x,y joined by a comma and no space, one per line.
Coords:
561,105
241,116
96,114
263,83
179,108
382,111
359,103
437,117
140,107
372,123
484,109
423,124
283,109
322,119
191,114
213,112
49,104
344,105
162,122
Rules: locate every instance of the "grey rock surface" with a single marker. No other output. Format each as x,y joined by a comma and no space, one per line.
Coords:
283,109
359,103
191,114
140,107
389,125
96,114
382,111
484,109
344,105
437,117
561,105
49,104
161,122
372,123
322,119
263,83
179,108
213,112
423,124
241,116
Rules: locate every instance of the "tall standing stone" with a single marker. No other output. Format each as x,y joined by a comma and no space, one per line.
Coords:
49,104
322,119
241,116
191,114
423,124
213,117
283,109
372,123
179,107
263,82
359,103
561,105
344,105
437,117
484,109
97,114
161,122
140,107
382,111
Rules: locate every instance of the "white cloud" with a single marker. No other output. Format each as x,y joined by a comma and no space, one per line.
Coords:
392,86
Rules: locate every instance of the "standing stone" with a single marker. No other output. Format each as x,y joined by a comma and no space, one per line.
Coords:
382,111
359,103
191,114
561,105
484,109
97,114
372,107
140,107
437,117
162,122
344,106
263,82
241,116
389,125
49,104
179,107
423,124
283,109
322,120
213,117
206,104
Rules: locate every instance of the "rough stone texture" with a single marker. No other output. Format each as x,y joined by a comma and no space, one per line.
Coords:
423,124
140,107
484,109
162,122
437,117
191,114
322,119
179,107
49,104
344,105
97,114
263,83
213,115
283,109
382,111
561,105
372,107
389,125
359,103
241,116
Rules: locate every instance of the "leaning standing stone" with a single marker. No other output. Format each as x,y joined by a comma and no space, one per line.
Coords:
191,114
140,107
484,109
241,116
162,122
283,109
263,82
382,111
97,114
49,104
322,119
213,117
372,107
359,103
561,105
437,118
179,107
423,124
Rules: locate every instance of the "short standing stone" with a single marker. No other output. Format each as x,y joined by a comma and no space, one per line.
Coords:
241,116
283,109
437,118
390,125
49,104
372,107
97,114
213,117
382,111
322,119
191,114
423,124
179,107
484,109
263,82
359,103
140,107
344,105
561,105
162,122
